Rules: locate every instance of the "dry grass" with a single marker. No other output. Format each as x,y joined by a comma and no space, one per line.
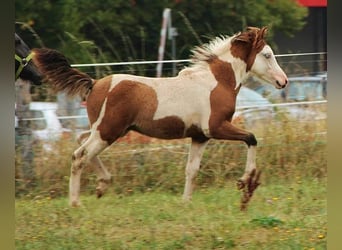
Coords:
143,209
139,164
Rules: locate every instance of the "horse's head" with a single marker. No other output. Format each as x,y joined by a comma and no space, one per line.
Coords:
251,47
24,67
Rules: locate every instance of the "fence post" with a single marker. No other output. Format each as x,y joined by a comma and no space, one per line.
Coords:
161,49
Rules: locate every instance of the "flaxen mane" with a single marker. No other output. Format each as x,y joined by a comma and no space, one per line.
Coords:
209,50
253,38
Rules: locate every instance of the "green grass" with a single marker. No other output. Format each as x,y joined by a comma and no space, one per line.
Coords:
289,214
143,207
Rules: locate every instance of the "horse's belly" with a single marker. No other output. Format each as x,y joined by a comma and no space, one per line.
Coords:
172,127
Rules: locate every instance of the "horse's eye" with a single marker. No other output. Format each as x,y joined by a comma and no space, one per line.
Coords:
267,55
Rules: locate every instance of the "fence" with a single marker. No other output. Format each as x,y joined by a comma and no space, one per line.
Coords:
294,63
291,142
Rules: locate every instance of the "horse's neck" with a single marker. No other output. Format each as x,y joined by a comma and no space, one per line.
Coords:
199,74
238,66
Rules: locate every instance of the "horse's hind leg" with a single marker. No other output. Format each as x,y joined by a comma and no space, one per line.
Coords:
103,176
192,167
87,151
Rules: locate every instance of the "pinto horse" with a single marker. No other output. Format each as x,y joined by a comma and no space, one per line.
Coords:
24,68
198,103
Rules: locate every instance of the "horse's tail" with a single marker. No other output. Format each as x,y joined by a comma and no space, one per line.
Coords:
56,69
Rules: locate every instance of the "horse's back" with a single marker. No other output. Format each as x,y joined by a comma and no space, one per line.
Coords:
158,107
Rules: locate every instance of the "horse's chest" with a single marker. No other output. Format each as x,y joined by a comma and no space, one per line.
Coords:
222,104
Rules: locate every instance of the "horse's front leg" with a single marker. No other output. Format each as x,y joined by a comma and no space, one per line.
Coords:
250,167
250,179
192,167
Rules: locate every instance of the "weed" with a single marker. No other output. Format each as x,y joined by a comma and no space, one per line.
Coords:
267,222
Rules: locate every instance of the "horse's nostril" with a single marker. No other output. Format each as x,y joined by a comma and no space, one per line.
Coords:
281,85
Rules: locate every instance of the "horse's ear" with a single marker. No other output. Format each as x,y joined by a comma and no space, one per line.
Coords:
263,32
244,37
251,35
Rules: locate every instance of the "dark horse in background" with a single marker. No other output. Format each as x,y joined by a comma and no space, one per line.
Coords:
26,74
24,67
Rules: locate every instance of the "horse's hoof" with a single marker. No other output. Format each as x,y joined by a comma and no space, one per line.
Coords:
243,207
249,188
254,181
240,184
75,204
99,193
186,198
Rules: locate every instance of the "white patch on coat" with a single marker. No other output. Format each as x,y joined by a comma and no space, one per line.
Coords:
186,96
239,68
251,159
267,68
100,117
95,133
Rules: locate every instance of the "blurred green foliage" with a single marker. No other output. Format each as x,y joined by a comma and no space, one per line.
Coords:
121,30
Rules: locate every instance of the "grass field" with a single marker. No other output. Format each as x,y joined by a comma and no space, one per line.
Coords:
288,214
143,207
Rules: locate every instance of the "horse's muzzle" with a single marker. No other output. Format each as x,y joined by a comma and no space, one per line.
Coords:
281,86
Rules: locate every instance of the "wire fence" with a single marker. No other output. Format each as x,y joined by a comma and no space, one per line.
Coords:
308,63
177,61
